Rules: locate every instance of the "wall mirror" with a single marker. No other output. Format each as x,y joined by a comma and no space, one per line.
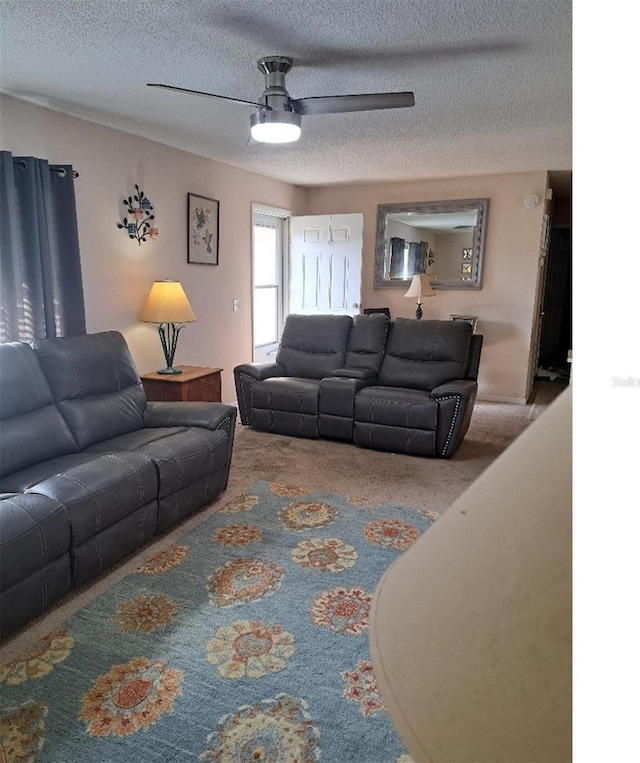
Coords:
445,238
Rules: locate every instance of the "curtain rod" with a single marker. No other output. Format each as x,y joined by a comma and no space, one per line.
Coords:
52,168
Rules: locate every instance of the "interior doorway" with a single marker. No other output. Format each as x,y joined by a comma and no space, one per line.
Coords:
307,264
556,329
325,264
551,341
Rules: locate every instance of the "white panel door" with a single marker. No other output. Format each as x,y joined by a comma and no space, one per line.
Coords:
325,264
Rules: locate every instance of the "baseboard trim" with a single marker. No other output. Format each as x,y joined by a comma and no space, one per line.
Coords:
501,399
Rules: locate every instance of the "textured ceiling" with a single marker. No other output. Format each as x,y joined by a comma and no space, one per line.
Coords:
492,79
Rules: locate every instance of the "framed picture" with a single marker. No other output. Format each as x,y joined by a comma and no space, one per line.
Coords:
472,319
203,217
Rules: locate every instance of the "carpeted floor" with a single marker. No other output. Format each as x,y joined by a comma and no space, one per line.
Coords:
429,485
246,641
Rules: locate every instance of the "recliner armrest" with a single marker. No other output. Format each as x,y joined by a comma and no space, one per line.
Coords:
245,375
455,405
260,371
362,374
182,414
464,387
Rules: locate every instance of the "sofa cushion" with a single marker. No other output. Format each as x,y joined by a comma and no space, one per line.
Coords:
181,455
33,429
397,407
192,464
367,342
102,491
312,346
425,354
133,441
95,384
26,478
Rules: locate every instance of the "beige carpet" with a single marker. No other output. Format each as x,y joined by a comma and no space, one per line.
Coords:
424,484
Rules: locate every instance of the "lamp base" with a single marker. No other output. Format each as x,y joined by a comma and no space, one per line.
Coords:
169,370
419,311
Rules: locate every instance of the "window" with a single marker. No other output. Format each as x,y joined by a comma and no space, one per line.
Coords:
268,307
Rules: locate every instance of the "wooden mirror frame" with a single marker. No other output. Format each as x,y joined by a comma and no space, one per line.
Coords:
481,206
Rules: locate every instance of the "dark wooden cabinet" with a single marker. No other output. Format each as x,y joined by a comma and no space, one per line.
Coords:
195,384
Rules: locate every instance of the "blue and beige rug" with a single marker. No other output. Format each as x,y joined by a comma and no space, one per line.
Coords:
247,640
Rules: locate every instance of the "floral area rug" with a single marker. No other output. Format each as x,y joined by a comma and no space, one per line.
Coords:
245,641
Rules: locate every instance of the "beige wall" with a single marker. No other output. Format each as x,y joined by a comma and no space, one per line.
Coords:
505,304
117,272
448,253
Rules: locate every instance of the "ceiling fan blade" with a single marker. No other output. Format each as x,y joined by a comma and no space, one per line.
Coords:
335,104
207,95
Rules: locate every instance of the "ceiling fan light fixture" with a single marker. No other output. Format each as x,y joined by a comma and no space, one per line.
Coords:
275,126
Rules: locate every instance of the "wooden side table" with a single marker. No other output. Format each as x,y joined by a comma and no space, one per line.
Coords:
194,384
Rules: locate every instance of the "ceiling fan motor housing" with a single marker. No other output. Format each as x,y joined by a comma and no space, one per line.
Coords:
275,95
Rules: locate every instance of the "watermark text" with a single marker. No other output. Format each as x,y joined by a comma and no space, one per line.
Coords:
625,381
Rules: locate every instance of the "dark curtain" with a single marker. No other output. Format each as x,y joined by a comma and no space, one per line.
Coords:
41,278
417,257
396,265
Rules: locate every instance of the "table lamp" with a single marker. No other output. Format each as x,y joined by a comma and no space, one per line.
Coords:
167,306
420,287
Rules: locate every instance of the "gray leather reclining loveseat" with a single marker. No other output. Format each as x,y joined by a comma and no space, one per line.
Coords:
89,469
407,386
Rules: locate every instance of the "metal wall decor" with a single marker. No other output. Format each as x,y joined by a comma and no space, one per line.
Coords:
139,226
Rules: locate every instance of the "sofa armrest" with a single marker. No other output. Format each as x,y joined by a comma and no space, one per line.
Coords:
245,376
338,393
362,374
260,371
179,414
455,405
465,387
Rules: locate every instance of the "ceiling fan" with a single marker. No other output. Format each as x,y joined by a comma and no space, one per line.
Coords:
278,117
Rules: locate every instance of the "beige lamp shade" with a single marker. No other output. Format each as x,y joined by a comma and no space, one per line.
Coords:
420,287
470,631
167,303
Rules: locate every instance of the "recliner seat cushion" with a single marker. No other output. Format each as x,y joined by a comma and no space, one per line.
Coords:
396,407
181,455
32,475
95,384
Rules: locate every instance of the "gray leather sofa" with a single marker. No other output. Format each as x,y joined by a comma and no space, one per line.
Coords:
89,470
407,386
